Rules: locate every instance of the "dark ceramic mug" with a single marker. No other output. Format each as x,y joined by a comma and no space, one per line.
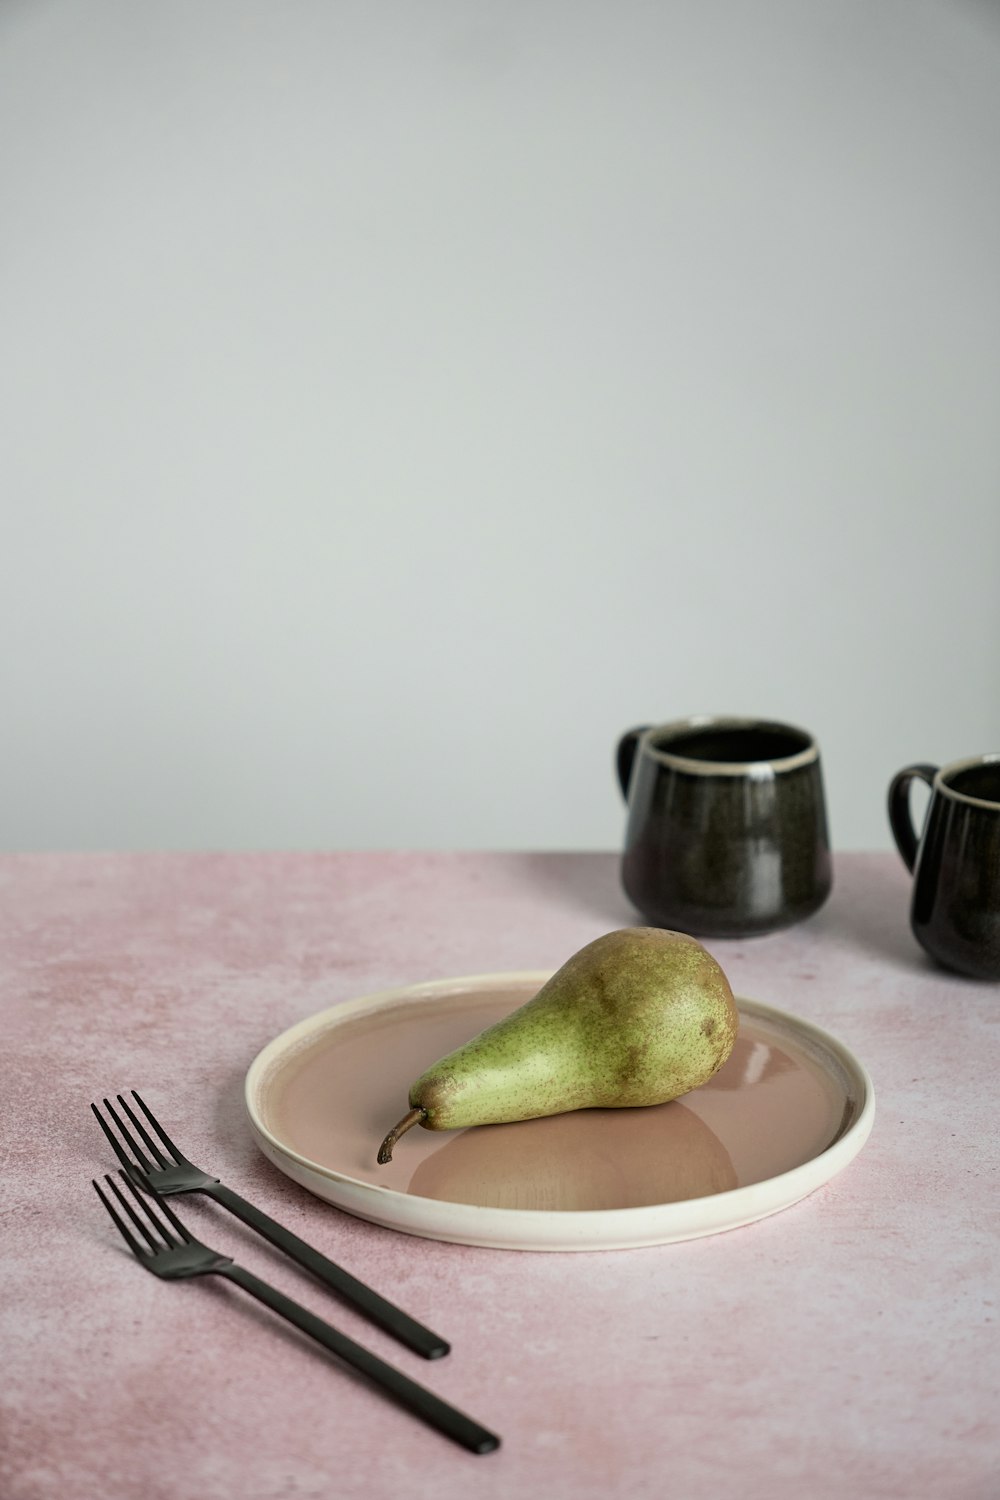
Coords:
727,832
955,912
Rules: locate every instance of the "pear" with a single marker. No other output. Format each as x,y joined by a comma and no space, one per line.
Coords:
639,1016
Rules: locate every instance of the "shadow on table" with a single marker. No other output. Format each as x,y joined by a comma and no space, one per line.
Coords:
871,911
869,907
587,880
893,942
863,928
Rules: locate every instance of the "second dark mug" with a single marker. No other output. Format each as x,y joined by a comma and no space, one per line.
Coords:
727,831
955,912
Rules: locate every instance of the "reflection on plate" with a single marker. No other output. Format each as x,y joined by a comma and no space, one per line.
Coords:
789,1110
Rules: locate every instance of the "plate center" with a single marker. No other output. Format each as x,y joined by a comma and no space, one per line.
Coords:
773,1106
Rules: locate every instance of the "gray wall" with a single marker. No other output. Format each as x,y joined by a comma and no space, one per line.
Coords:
400,399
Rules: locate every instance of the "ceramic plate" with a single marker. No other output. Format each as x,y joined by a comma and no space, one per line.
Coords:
789,1110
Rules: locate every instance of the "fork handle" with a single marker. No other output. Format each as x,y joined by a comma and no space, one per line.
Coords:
385,1314
430,1408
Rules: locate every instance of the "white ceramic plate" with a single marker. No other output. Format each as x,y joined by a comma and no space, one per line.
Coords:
788,1111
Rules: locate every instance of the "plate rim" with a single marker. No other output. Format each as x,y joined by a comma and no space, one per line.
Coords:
520,1228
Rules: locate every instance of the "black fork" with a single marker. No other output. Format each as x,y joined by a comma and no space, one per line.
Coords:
170,1172
161,1244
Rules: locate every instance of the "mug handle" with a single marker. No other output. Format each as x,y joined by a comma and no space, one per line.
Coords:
625,756
900,820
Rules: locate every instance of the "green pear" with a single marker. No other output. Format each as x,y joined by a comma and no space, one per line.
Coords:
637,1017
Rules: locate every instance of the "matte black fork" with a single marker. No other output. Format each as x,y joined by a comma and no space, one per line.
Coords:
170,1172
173,1254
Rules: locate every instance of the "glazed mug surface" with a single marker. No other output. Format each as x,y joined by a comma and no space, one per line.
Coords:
955,910
727,830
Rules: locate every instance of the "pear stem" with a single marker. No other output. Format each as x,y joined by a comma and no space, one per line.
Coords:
406,1123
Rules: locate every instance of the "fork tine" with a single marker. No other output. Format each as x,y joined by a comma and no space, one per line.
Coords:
158,1223
113,1139
164,1206
119,1223
144,1162
140,1224
161,1160
157,1127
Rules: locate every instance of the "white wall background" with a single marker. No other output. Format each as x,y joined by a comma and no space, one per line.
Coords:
399,400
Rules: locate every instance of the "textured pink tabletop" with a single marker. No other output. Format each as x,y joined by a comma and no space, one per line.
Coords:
845,1347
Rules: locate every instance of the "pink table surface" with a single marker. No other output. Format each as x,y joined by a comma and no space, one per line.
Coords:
845,1347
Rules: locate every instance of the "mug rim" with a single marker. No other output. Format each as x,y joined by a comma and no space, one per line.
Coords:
760,768
954,767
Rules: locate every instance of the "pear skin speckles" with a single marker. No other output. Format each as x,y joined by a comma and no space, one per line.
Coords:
640,1016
